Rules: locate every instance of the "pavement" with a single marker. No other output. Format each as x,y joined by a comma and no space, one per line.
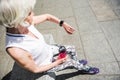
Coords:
97,35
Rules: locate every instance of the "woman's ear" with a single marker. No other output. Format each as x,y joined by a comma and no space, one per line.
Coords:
29,18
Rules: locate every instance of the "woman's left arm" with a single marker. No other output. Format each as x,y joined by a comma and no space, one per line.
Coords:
51,18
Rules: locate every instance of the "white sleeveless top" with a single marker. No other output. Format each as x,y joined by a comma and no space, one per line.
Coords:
40,51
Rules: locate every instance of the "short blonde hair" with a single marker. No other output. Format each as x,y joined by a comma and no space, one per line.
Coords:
13,12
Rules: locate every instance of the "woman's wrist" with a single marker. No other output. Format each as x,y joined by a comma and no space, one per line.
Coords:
55,63
61,23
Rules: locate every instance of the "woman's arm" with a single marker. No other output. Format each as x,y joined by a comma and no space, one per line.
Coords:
25,60
45,17
51,18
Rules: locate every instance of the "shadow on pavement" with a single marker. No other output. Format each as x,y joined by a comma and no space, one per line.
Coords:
69,75
19,73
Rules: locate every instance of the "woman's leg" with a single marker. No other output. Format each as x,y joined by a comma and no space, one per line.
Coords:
67,64
74,62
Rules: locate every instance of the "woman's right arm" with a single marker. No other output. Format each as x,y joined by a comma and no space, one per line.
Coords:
48,17
25,60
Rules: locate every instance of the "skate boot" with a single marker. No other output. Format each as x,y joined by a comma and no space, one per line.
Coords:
87,69
90,70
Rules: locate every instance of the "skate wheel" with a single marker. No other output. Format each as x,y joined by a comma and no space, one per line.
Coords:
84,62
93,70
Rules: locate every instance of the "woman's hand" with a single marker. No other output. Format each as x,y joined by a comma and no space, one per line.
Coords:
68,28
60,61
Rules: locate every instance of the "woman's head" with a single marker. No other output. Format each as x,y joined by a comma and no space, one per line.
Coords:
14,12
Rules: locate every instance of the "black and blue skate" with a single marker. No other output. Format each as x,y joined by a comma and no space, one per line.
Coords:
91,70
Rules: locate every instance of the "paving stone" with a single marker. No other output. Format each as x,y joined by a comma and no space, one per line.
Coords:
2,31
117,11
119,64
117,77
89,27
59,12
9,65
115,4
111,28
79,3
109,68
56,3
50,32
80,54
86,21
116,47
38,11
84,13
49,38
97,48
102,10
2,44
46,25
3,65
38,7
112,32
79,77
2,39
39,4
54,7
71,74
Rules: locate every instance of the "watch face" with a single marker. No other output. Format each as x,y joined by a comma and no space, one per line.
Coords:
61,22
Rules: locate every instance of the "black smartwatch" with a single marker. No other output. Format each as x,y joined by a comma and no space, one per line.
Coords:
61,23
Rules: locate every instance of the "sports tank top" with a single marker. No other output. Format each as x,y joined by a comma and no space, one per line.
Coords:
37,47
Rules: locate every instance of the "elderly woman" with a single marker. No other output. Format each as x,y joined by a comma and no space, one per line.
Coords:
25,44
